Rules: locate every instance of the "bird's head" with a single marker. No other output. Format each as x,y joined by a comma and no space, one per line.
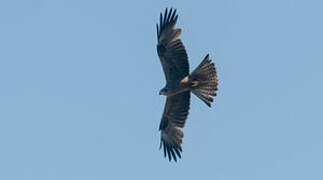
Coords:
163,91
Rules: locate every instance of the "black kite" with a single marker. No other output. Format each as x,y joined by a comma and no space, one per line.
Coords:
202,82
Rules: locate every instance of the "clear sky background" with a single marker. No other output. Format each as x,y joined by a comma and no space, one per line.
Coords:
79,84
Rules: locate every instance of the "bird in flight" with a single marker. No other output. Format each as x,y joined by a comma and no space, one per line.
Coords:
202,82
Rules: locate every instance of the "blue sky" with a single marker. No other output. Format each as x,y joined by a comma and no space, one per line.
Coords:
80,80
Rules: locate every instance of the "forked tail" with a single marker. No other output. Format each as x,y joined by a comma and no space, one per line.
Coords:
204,81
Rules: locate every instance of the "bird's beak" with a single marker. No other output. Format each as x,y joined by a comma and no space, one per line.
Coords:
160,93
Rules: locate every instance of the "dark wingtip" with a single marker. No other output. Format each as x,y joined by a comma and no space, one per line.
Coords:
175,19
168,154
178,153
169,14
208,103
169,18
171,152
164,149
160,144
165,16
160,22
207,57
172,13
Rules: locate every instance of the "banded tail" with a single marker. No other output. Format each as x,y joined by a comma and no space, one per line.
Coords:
205,81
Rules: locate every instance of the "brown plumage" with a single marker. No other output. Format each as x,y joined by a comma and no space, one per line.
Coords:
202,82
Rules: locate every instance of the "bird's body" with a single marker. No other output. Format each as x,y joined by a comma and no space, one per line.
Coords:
177,87
179,83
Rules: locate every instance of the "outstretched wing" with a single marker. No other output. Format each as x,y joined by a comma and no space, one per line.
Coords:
170,49
173,119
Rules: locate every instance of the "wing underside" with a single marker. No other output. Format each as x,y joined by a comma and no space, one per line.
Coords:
170,48
173,57
173,120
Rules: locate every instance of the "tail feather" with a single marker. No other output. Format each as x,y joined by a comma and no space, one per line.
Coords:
207,82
